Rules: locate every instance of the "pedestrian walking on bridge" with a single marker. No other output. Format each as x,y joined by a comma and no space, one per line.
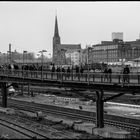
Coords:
126,72
109,74
77,72
53,70
68,72
106,74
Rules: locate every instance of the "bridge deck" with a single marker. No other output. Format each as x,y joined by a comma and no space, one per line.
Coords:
85,80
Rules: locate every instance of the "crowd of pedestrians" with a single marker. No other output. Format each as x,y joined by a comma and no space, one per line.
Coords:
77,71
125,74
107,72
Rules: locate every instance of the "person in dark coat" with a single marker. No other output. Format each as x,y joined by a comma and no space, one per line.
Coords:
126,72
63,69
109,74
81,71
53,68
106,74
58,70
77,71
68,72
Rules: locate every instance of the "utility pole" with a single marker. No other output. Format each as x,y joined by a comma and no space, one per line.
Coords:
10,58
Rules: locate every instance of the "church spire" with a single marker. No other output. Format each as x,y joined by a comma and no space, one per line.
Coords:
56,33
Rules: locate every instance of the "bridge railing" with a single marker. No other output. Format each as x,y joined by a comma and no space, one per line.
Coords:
132,78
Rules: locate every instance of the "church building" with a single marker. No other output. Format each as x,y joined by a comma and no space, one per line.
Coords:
60,50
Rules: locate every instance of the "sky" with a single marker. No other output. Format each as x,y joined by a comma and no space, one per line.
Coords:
29,26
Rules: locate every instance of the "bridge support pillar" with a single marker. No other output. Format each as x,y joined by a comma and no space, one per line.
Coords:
99,109
4,92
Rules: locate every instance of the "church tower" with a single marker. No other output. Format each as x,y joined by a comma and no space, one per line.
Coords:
56,40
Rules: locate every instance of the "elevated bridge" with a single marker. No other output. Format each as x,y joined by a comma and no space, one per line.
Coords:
90,81
98,82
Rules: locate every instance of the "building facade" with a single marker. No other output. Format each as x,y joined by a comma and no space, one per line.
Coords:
74,57
114,52
105,53
117,35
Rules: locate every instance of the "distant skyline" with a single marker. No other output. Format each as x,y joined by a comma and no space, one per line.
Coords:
30,25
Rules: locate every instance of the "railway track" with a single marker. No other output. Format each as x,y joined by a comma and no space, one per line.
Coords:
25,132
37,89
126,123
39,129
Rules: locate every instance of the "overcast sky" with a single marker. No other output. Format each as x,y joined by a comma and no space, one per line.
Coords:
30,25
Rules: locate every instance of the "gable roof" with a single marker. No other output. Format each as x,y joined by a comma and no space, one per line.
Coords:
69,46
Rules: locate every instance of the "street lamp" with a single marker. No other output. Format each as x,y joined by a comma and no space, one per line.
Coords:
107,56
62,51
42,62
79,57
12,56
70,60
133,55
38,59
26,58
50,59
0,57
137,60
42,55
4,54
88,50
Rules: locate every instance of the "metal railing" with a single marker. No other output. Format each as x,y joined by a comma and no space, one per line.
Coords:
114,78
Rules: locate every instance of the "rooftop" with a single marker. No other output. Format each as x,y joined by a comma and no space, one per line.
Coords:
69,46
